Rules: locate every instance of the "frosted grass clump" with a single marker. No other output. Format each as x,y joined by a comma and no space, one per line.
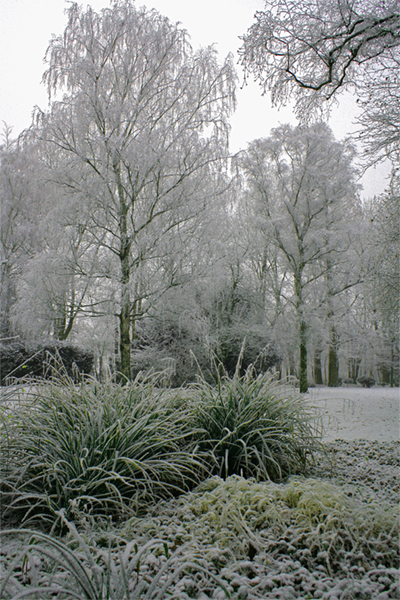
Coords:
103,449
98,448
255,427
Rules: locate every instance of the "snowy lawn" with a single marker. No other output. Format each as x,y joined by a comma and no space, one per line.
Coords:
351,413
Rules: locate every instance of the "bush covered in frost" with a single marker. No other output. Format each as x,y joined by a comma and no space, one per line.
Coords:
22,359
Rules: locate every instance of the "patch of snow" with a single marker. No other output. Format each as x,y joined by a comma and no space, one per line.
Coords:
351,413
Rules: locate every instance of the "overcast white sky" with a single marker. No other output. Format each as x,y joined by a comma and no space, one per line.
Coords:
26,27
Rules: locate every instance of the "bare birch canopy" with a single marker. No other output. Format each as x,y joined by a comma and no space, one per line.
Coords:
140,122
312,49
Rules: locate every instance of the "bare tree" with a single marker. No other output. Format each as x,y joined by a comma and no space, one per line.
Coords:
18,220
142,129
300,179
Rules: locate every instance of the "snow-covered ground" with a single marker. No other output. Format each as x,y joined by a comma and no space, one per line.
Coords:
351,413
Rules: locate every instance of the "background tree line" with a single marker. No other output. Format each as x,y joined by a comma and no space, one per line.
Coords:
129,229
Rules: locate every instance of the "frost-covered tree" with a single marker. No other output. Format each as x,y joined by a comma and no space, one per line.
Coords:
18,221
55,277
312,49
382,286
266,277
380,117
141,124
300,180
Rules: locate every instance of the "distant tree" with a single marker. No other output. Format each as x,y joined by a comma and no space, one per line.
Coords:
18,221
383,283
385,221
142,131
265,276
301,179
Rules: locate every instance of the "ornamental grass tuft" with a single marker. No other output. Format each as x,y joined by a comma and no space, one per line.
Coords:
97,448
255,427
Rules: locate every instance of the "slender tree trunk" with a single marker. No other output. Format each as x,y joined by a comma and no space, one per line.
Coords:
291,368
318,367
354,366
125,314
333,362
303,383
125,341
60,322
392,365
385,374
303,357
5,300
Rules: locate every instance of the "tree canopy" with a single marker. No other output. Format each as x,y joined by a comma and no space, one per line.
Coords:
310,50
140,130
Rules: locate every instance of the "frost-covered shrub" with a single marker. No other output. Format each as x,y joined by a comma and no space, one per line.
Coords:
241,347
185,350
178,349
19,359
366,381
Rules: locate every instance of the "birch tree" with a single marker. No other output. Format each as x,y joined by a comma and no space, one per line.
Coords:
300,179
141,122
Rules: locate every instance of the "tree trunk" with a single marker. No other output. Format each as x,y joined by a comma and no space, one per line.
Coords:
353,369
124,256
125,314
392,365
333,362
125,342
5,300
303,358
318,367
60,322
303,383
